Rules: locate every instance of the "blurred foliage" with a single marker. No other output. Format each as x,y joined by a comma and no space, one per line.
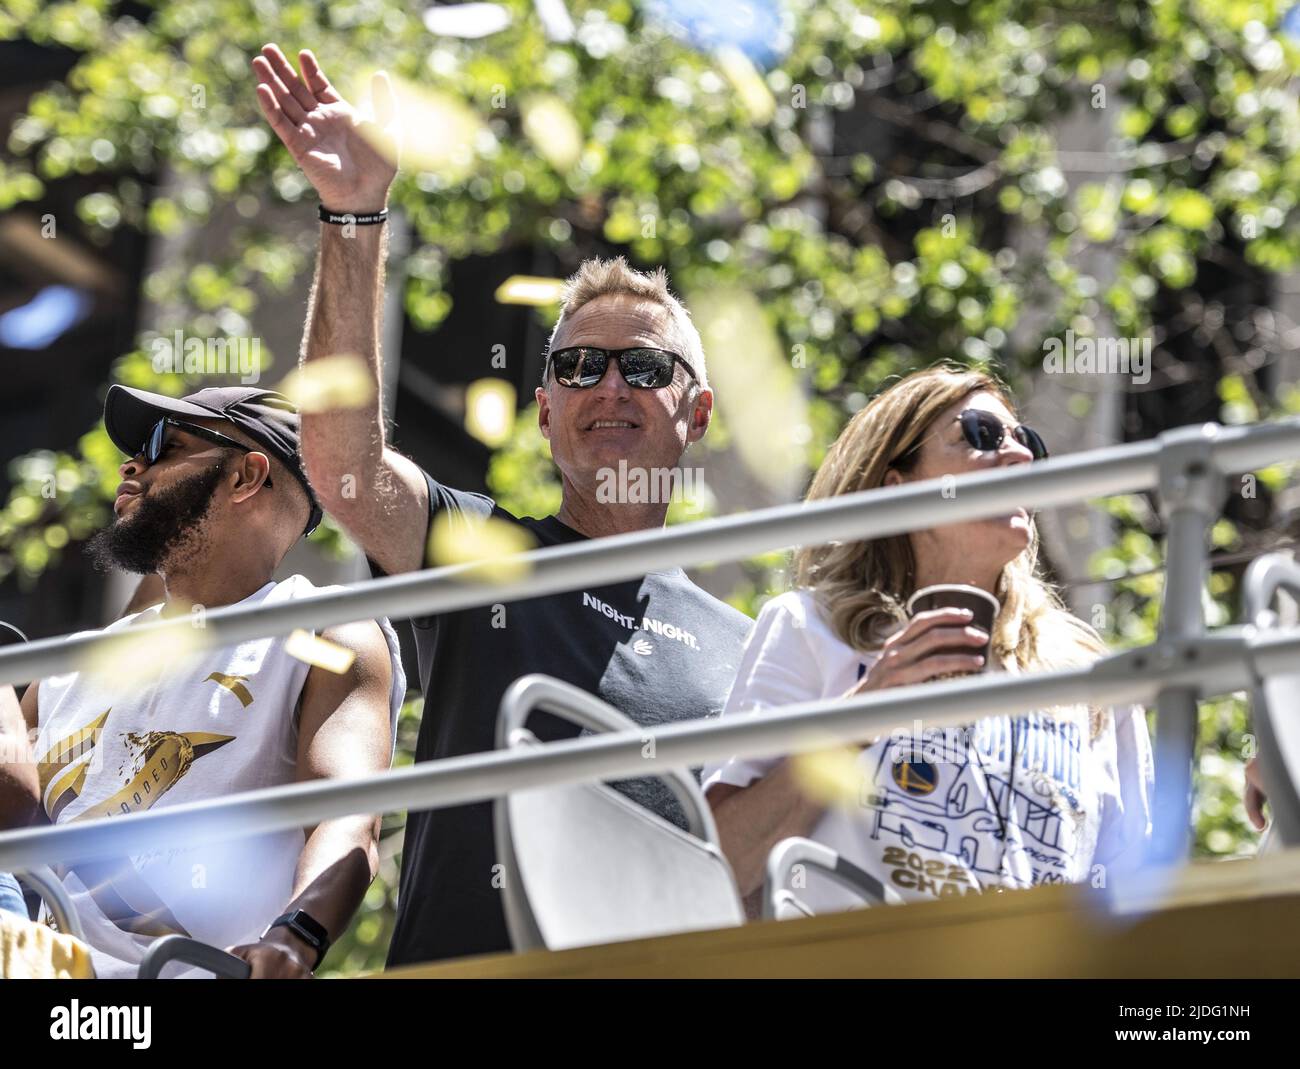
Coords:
891,191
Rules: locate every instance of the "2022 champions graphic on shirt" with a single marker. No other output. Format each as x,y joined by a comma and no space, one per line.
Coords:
1009,801
949,793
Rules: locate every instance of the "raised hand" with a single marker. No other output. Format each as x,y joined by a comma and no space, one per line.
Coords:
349,159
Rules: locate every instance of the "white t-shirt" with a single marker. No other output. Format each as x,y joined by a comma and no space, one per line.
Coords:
933,807
184,729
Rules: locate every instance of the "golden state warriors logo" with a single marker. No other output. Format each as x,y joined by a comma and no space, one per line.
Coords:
915,776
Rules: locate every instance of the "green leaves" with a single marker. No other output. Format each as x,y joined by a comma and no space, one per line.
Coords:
1190,209
953,195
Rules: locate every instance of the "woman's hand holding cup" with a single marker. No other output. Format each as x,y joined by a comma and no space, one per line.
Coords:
948,634
925,648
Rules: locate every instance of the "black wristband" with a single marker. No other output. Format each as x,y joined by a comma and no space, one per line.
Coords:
308,929
358,218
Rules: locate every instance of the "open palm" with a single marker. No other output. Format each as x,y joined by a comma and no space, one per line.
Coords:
349,160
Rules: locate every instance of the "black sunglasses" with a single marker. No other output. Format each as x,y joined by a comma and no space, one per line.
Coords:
582,366
985,432
153,446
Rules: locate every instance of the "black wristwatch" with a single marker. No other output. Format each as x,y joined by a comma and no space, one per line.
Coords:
307,928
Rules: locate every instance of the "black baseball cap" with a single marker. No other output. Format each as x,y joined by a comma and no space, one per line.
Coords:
269,418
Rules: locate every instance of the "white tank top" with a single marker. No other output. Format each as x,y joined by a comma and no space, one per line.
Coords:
191,727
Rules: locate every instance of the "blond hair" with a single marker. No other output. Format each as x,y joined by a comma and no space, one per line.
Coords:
861,587
605,278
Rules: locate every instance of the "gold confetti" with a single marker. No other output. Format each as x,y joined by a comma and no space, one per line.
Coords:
439,132
530,289
831,777
329,383
554,132
758,393
748,83
492,544
319,652
490,411
128,660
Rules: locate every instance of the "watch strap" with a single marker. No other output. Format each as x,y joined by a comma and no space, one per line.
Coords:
357,218
308,929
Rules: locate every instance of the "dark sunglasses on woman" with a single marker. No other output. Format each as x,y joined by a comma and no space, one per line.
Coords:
985,432
581,367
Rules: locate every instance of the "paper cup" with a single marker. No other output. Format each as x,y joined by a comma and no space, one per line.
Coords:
982,604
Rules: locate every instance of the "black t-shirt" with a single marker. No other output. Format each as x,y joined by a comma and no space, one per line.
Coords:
658,649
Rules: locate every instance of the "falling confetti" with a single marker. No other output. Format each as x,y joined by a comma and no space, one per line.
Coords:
439,132
555,19
129,660
758,394
554,132
319,652
831,777
491,544
490,411
466,21
748,83
530,289
331,382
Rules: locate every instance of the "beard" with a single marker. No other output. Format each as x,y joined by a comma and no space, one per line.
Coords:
165,526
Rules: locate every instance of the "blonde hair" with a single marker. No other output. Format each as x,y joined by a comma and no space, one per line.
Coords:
604,278
861,587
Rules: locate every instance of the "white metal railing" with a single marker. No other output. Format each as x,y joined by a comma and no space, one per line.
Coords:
1187,465
865,515
1229,660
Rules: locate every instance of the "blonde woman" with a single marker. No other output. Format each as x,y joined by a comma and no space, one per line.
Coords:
1059,795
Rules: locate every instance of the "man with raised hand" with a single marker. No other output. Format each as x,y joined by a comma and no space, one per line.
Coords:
212,498
624,381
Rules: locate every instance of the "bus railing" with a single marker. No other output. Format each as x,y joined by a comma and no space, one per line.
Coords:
1187,466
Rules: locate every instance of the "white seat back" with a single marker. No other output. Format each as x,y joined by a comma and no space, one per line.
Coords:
583,864
594,867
